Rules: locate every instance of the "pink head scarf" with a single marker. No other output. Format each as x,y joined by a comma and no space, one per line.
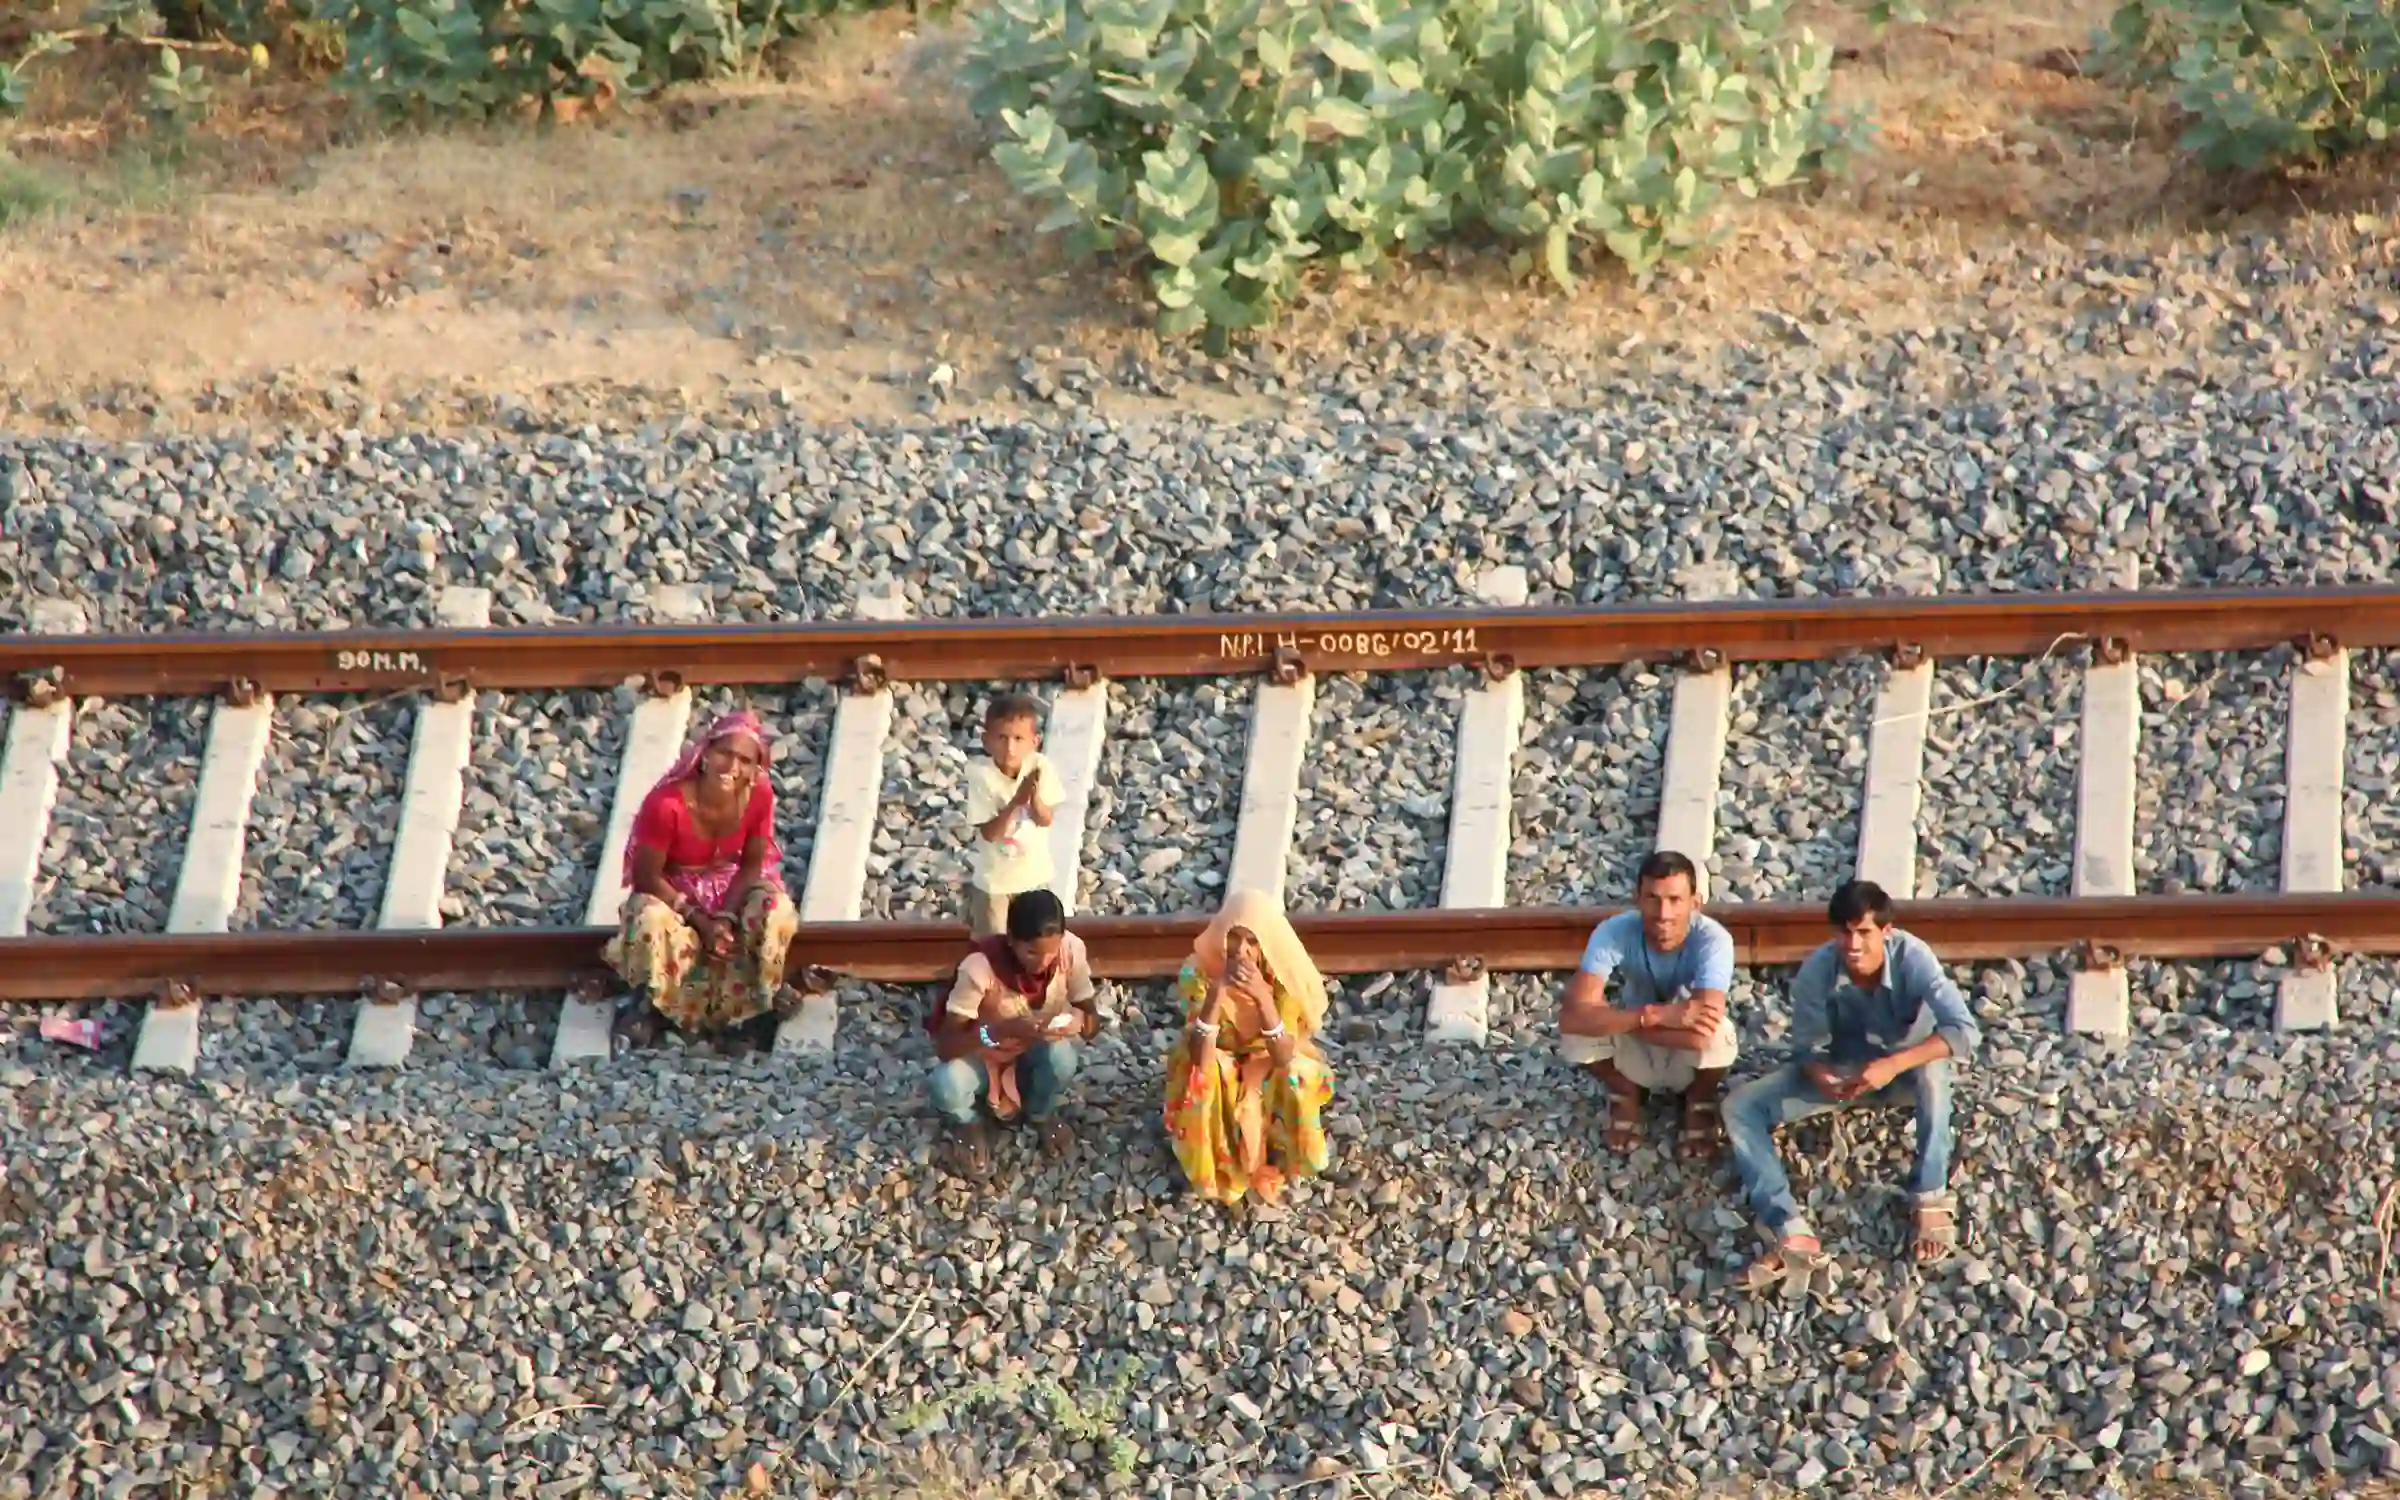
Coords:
740,721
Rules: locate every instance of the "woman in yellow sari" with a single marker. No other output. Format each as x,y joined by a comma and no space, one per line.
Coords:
1246,1085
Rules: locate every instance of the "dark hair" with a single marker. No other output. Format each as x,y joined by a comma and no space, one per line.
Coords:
1009,707
1856,900
1037,913
1666,864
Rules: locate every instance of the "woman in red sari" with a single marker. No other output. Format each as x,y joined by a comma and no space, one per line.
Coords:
704,934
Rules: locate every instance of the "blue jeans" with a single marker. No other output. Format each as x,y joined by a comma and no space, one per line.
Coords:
1043,1074
1785,1096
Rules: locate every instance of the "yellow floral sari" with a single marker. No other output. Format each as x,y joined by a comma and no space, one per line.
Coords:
1241,1124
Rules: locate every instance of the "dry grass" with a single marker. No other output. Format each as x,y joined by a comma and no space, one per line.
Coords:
838,233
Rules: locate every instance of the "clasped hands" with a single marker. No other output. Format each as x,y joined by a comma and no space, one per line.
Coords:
1843,1084
715,931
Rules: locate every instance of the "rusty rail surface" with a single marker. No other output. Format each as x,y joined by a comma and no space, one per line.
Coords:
868,653
1523,939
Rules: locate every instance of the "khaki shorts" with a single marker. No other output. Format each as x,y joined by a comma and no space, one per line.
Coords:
1648,1066
986,914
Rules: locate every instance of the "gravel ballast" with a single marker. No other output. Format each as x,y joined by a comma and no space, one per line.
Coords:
679,1273
654,1275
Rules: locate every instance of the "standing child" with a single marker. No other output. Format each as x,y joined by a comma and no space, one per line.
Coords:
1012,793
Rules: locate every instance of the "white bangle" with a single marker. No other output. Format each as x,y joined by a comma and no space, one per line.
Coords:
1206,1028
1272,1032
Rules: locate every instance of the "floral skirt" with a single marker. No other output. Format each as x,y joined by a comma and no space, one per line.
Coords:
658,950
1240,1124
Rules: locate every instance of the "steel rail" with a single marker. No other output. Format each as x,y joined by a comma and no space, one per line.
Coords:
1522,939
867,653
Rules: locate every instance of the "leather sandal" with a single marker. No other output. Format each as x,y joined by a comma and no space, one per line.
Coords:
969,1149
1624,1120
639,1023
1934,1227
1703,1130
1784,1257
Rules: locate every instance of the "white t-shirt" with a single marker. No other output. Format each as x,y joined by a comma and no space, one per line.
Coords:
1019,860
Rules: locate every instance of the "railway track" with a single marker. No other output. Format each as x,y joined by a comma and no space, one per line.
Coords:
1472,933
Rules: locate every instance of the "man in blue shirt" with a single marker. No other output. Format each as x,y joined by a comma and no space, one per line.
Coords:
1874,1017
1668,1029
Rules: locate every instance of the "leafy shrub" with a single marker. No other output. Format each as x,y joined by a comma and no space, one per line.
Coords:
248,22
176,92
1239,141
2267,84
481,57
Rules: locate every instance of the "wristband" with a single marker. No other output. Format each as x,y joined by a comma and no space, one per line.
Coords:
983,1034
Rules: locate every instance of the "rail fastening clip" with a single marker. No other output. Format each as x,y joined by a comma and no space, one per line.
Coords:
868,676
41,687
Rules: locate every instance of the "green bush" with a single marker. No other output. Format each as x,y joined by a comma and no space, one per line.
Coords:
2267,82
1240,141
249,22
483,57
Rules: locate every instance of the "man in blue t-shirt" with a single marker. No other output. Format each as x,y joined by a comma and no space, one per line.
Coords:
1874,1020
1667,1029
